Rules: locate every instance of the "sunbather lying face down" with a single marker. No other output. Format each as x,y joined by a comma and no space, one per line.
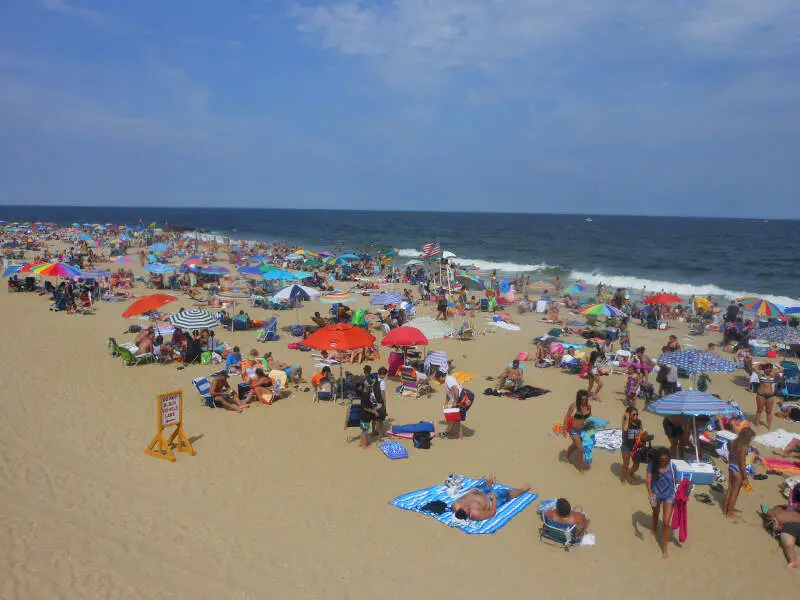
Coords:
481,503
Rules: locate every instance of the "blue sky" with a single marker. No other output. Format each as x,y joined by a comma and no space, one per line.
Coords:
617,106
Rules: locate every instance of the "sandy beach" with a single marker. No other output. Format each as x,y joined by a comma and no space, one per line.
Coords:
280,502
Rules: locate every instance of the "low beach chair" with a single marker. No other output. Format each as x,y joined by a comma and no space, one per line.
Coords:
409,385
131,360
326,390
269,332
559,534
466,331
437,360
203,387
791,371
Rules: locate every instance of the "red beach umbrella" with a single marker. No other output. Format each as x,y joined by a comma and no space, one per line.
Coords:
148,303
663,299
405,336
341,336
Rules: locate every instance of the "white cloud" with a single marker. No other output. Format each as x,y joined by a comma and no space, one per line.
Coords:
64,7
413,42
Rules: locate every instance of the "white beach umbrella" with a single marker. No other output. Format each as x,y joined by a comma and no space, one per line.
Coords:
286,293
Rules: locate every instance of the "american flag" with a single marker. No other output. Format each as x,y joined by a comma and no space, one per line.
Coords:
431,248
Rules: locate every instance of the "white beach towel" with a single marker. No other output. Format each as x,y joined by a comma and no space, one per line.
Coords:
776,439
506,326
608,439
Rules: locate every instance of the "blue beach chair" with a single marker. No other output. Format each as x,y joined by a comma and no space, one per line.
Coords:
559,534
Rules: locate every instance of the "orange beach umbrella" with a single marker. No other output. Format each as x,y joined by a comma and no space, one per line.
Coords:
342,336
148,303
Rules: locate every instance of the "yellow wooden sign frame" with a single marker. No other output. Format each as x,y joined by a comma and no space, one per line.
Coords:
161,448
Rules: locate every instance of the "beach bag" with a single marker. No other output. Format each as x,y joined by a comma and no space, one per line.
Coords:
205,358
297,331
294,346
422,440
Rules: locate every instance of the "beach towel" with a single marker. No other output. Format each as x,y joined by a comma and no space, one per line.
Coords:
394,450
680,517
414,501
506,326
781,465
608,439
407,431
776,439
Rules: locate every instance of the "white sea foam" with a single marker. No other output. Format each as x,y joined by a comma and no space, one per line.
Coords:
500,267
409,253
635,284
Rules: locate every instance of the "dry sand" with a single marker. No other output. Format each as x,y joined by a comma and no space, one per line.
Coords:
278,504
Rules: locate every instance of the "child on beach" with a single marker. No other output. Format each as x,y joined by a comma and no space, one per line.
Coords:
737,475
661,493
632,434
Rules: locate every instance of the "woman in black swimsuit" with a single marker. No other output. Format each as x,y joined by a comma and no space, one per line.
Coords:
632,432
765,394
573,425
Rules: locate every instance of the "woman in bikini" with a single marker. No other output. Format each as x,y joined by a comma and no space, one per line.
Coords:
765,393
737,475
593,375
632,433
260,388
573,425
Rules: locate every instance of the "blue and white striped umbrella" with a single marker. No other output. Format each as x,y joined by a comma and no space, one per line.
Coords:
97,274
780,334
693,403
387,298
159,268
697,361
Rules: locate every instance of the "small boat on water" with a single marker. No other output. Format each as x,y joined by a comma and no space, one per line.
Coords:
588,219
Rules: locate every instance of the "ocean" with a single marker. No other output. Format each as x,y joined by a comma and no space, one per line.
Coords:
718,257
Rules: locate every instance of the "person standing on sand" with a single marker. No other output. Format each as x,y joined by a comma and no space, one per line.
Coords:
737,473
661,493
632,433
574,421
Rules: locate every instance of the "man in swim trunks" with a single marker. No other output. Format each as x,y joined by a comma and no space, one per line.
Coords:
482,502
786,524
511,378
222,393
564,513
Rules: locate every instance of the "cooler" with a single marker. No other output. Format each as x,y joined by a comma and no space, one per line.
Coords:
759,348
452,414
698,473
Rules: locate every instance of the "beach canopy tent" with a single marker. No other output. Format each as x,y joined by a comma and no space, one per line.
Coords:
292,292
404,336
147,304
194,319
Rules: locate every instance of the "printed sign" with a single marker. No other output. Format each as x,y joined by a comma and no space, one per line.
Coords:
171,405
169,409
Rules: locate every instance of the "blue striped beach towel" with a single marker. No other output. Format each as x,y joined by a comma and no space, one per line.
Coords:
416,500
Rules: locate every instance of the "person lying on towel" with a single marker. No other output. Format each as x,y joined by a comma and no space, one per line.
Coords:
482,502
511,378
564,513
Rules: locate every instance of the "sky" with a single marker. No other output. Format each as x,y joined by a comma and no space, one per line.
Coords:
675,107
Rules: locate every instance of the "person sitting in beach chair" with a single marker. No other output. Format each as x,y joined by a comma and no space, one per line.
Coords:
564,524
482,502
222,394
511,378
294,373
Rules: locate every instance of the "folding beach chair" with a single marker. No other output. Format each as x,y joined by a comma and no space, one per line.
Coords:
437,360
352,417
203,387
326,390
791,371
559,534
409,385
131,360
465,331
269,332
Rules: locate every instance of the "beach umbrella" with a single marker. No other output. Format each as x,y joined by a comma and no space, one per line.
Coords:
698,361
159,268
123,260
779,334
11,269
663,299
341,336
259,258
56,269
576,288
335,261
234,296
693,403
268,268
251,270
387,298
404,336
470,282
193,319
147,304
448,254
794,310
350,256
97,274
215,270
760,306
159,248
279,275
602,310
413,262
293,256
431,328
30,266
337,298
702,304
302,275
292,291
312,263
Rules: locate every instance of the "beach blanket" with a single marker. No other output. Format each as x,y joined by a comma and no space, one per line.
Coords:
407,431
506,326
608,439
414,501
781,465
776,439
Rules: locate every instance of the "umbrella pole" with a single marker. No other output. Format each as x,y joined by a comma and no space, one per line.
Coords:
696,439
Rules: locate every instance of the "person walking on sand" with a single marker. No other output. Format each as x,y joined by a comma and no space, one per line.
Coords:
632,433
593,375
737,473
574,422
661,493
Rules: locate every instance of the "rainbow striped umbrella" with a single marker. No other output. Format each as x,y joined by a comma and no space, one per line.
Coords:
337,298
123,260
761,306
603,310
57,269
576,288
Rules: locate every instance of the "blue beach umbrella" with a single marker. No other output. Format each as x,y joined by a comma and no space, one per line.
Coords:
11,269
794,310
250,270
159,268
215,270
302,275
350,257
159,248
697,361
279,274
387,298
576,288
